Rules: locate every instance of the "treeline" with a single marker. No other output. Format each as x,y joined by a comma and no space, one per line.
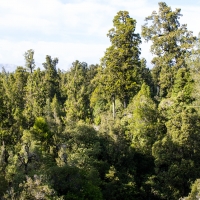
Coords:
114,130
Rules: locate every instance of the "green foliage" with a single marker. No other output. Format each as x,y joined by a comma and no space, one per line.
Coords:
42,134
121,64
51,78
30,63
33,188
195,193
176,154
171,45
41,129
3,184
183,86
98,100
193,63
141,116
74,183
83,146
59,140
78,86
35,98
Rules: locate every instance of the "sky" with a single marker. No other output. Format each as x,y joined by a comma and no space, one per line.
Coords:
74,29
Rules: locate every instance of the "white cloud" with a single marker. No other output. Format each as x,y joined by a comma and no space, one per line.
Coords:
190,17
66,52
73,30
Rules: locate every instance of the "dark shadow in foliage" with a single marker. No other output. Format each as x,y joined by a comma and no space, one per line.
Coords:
74,183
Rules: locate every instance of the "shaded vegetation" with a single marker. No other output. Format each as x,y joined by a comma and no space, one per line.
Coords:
114,130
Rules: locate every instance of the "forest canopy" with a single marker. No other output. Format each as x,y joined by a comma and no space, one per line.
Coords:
112,130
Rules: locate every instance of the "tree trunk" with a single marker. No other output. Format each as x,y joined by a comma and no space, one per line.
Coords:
125,101
113,103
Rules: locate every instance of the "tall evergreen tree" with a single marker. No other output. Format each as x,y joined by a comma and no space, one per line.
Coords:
171,44
194,65
143,126
30,62
177,152
77,104
51,79
121,63
35,99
